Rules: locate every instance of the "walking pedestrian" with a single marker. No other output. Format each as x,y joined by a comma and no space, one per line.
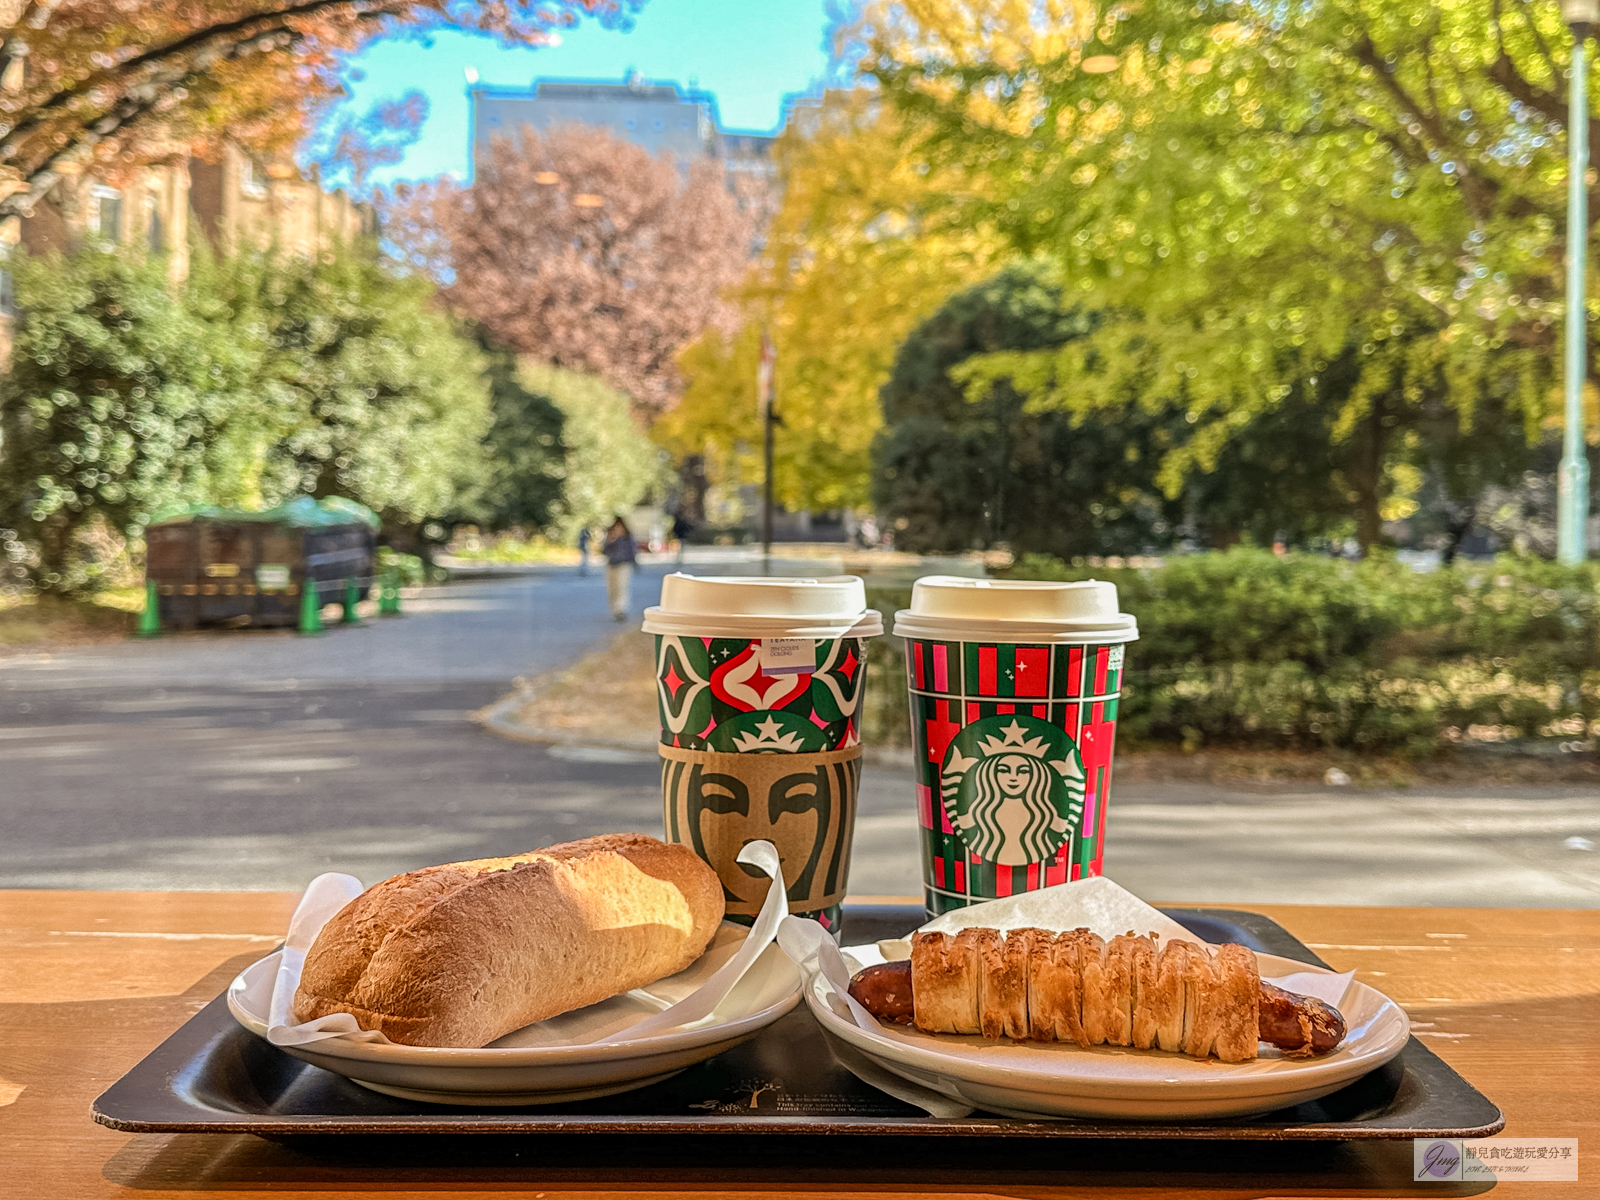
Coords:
583,550
682,527
622,560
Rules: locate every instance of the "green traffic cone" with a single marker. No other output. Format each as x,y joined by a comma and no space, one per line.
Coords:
389,594
352,593
310,609
150,618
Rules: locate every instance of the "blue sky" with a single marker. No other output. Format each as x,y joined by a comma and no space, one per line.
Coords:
749,53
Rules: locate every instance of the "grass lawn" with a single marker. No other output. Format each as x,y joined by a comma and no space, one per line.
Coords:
610,694
31,622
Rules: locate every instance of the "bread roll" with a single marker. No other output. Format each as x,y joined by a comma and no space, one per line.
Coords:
462,954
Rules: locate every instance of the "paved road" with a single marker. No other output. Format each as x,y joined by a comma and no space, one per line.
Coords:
488,630
256,760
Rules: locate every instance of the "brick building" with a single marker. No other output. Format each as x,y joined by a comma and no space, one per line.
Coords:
239,201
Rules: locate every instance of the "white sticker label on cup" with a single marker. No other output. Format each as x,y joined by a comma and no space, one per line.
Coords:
788,656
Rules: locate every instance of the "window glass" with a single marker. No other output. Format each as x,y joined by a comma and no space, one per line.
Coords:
252,179
155,231
106,217
8,296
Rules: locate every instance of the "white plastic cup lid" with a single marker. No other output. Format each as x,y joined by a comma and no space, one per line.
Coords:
763,606
953,608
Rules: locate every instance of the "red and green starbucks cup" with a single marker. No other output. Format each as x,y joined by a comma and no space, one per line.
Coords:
759,684
1014,687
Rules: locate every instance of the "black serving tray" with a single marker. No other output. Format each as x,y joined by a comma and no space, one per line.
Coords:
212,1076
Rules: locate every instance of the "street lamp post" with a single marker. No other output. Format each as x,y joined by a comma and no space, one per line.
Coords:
766,398
1572,486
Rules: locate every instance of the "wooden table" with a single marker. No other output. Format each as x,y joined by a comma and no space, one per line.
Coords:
92,981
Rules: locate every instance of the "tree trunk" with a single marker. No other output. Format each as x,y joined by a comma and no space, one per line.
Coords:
1456,530
1367,474
55,537
693,484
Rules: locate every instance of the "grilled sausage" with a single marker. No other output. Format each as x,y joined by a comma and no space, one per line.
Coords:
1299,1025
885,991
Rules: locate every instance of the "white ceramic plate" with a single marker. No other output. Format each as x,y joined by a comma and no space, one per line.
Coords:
516,1069
1034,1080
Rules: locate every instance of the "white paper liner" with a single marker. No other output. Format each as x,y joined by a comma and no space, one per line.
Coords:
1096,904
679,1001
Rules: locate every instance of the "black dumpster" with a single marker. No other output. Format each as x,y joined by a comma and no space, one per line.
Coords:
213,565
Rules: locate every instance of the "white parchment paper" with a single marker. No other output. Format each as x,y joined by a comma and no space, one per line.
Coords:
685,1000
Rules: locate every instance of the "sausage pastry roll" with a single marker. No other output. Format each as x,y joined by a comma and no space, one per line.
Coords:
1032,985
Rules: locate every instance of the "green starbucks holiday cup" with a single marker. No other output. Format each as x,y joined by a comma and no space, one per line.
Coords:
759,683
1014,687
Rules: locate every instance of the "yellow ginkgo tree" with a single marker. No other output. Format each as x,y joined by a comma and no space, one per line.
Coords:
1355,200
850,264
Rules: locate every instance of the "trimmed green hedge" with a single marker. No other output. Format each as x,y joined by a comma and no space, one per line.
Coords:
886,710
1245,648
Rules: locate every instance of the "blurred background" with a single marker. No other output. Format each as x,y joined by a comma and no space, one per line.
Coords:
1258,315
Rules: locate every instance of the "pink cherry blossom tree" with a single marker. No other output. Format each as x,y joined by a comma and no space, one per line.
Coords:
583,251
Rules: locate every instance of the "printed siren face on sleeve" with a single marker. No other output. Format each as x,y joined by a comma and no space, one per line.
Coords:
752,751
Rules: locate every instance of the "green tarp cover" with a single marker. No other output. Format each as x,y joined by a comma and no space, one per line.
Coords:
302,512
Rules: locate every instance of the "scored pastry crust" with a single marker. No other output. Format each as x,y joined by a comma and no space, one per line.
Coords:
1143,956
1055,1004
1003,986
1201,1012
1240,1004
1171,996
1031,985
1099,992
944,981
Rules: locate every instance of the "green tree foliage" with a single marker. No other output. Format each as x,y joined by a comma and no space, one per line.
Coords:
262,377
376,396
952,474
121,398
611,464
1262,193
525,455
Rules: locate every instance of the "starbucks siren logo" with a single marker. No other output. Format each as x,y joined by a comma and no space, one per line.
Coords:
775,732
769,737
1012,787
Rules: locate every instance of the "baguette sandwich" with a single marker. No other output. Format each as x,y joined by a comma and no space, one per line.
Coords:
464,953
